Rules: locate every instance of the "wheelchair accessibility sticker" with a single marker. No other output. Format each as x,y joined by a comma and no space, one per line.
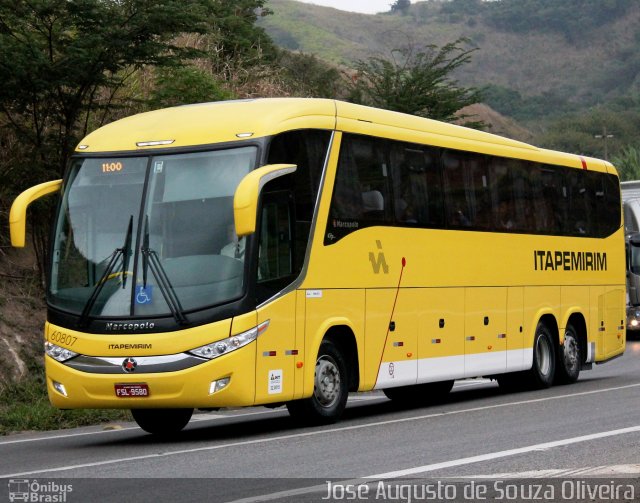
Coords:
144,295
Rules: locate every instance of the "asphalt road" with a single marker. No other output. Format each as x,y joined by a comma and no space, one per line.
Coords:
590,429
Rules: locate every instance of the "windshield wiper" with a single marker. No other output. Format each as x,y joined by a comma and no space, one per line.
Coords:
151,261
125,253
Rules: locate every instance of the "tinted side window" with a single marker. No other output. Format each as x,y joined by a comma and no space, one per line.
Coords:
546,187
382,182
580,203
467,190
606,203
361,195
417,185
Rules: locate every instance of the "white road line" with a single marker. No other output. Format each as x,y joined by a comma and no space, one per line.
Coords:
313,433
64,435
210,417
501,454
632,470
195,418
369,479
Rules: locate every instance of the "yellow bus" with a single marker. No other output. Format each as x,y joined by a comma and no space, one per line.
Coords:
290,251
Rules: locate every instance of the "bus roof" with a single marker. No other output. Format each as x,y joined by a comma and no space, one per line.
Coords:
237,120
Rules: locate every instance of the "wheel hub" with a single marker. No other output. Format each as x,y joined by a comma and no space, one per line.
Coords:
543,356
327,388
570,352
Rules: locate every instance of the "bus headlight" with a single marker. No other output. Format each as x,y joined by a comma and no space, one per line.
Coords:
58,353
219,348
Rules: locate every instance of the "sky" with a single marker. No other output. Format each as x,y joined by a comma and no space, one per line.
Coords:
364,6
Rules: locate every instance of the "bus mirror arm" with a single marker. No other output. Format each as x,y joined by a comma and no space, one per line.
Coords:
245,200
18,213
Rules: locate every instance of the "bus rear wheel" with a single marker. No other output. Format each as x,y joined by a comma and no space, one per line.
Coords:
569,358
162,422
330,390
542,372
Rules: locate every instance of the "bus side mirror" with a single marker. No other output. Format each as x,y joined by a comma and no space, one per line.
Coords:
245,200
18,213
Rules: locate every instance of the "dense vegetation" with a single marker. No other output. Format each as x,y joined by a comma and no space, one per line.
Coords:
566,69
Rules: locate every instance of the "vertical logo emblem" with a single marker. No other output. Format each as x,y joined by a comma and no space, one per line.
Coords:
378,262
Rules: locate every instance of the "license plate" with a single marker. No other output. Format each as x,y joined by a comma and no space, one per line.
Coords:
132,390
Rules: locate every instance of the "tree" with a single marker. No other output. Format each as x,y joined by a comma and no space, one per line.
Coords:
416,82
63,67
306,75
627,163
401,6
234,33
61,61
583,133
182,85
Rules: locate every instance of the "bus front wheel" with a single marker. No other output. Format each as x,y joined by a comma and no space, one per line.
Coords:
162,422
330,390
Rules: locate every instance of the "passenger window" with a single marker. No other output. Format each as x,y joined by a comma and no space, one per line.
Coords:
417,185
548,199
467,190
510,195
361,195
579,210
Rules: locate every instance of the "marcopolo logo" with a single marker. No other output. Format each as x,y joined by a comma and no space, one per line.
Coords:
41,492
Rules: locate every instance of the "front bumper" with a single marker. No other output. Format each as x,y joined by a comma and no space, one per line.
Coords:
186,388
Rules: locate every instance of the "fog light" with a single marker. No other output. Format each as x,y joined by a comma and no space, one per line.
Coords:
216,386
634,323
59,387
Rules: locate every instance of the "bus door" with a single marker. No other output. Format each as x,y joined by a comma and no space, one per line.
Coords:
485,344
392,335
279,344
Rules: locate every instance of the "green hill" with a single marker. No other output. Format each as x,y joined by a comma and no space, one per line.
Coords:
538,57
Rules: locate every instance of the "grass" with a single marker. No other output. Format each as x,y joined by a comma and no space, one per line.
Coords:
24,406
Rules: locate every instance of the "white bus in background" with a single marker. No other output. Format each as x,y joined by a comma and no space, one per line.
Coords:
631,209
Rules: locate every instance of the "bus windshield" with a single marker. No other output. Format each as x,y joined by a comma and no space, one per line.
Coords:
149,236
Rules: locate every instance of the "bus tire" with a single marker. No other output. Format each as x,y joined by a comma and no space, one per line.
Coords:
542,372
569,358
162,422
330,390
